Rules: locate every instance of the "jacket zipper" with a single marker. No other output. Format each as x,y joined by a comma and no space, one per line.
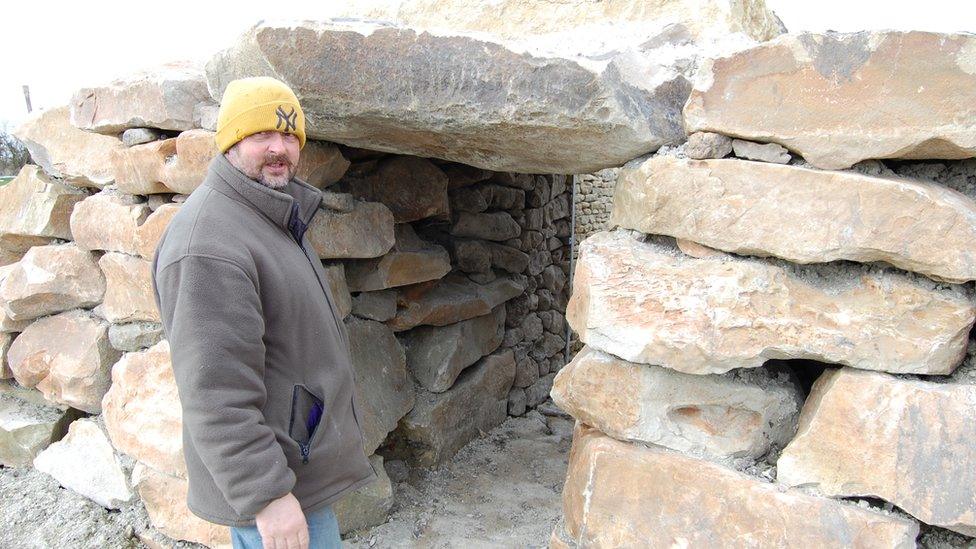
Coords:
332,309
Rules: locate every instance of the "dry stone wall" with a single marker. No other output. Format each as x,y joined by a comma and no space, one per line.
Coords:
794,223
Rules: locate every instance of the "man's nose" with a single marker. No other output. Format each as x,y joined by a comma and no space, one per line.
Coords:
277,143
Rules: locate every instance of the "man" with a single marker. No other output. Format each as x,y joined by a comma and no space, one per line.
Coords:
271,435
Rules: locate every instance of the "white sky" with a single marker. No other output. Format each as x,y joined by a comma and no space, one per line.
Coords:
57,47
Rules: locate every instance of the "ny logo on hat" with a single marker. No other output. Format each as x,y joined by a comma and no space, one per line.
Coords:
289,119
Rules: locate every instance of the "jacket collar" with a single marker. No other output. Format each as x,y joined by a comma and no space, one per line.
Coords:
275,205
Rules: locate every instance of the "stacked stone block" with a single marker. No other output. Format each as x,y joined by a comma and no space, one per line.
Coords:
823,240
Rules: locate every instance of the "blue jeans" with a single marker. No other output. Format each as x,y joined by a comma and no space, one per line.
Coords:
323,532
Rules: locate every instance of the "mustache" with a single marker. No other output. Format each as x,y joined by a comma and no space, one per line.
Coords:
271,158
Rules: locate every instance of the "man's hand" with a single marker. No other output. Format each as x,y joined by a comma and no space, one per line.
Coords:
282,524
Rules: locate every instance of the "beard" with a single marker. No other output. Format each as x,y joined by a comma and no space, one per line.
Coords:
255,168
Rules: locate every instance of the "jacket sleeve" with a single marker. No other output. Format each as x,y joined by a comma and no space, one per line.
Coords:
212,315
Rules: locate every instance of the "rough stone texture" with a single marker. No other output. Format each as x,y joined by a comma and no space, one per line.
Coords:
648,303
7,325
138,136
128,289
380,306
837,99
411,260
538,392
765,152
27,428
84,461
335,274
142,410
384,393
52,279
194,149
493,110
702,145
72,368
717,416
441,423
163,98
165,499
368,505
449,300
33,205
5,340
497,226
436,355
108,221
365,232
594,199
472,256
621,495
413,188
79,158
905,441
135,336
516,402
741,207
138,169
151,231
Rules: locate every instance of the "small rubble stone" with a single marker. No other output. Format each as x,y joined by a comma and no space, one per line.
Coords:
507,258
165,499
538,392
52,279
138,136
368,505
763,152
135,336
128,289
85,462
495,226
516,402
702,145
27,428
411,260
449,300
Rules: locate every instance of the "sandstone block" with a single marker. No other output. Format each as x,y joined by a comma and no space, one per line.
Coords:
905,441
384,391
441,423
142,410
496,226
452,299
52,279
437,355
380,306
85,462
788,91
411,260
108,221
8,325
702,145
646,302
740,414
368,505
151,231
138,169
165,499
741,207
497,110
365,232
622,495
77,157
72,368
163,98
184,171
128,289
412,188
763,152
27,428
33,205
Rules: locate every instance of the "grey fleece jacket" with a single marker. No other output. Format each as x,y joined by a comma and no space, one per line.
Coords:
259,351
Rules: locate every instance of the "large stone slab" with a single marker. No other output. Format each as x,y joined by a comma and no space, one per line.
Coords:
163,98
63,151
493,107
142,410
720,416
413,188
384,392
51,279
837,99
165,499
436,355
67,357
450,300
619,494
34,205
743,207
366,231
647,302
411,260
128,289
108,221
27,428
906,441
368,505
85,462
441,423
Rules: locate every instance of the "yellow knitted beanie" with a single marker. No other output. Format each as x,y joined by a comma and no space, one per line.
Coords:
252,105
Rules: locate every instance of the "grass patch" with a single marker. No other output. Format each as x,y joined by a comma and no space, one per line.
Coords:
4,179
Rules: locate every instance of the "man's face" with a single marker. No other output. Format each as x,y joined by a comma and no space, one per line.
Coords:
270,158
